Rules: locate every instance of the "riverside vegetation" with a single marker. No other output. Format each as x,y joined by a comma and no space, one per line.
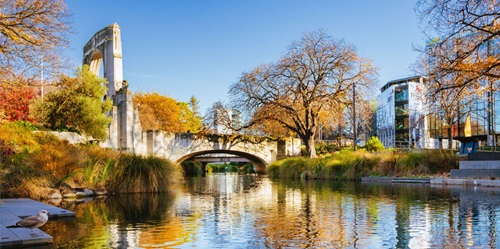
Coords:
373,160
35,164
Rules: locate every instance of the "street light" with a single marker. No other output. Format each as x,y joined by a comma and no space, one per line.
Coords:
354,113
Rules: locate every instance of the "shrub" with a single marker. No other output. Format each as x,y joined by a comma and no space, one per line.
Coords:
192,168
442,161
98,166
374,144
325,148
315,168
58,157
247,168
233,167
387,163
413,163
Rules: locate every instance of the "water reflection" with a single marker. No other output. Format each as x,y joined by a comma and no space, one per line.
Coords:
232,211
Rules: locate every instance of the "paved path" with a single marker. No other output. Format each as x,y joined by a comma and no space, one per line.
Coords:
13,210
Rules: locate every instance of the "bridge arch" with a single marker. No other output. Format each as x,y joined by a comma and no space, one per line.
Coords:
259,163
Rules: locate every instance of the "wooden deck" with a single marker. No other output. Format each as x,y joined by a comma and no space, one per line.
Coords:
13,210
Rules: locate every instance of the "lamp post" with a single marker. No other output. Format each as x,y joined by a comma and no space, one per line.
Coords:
354,113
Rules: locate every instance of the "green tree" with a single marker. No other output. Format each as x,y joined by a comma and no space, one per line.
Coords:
76,104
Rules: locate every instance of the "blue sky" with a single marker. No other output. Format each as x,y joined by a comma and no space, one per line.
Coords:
183,48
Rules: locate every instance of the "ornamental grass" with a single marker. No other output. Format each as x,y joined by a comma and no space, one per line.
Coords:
139,174
352,165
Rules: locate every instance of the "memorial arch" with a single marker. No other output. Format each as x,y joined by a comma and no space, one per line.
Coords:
105,48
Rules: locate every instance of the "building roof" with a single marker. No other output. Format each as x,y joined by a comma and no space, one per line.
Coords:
399,81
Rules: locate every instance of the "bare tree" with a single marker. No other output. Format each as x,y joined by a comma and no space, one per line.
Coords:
309,83
465,40
32,30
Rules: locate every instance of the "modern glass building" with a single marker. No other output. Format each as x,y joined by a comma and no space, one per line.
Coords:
404,121
400,115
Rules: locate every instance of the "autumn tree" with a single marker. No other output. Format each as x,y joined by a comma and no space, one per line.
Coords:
15,100
311,81
32,29
76,104
448,105
464,40
188,117
158,112
362,117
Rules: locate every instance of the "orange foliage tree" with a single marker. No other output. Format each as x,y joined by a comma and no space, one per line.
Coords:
310,83
158,112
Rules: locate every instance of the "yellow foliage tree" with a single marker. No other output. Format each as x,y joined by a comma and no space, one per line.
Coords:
29,30
158,112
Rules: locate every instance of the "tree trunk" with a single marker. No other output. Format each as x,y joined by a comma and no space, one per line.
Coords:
450,138
308,141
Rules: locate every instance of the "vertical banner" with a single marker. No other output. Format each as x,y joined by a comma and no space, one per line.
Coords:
467,129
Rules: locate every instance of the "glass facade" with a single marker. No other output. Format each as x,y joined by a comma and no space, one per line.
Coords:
403,122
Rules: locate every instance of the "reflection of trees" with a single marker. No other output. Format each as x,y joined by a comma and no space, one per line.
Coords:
92,220
286,214
339,215
151,217
139,208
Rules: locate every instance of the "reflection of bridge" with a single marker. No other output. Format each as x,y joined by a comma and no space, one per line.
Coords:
104,50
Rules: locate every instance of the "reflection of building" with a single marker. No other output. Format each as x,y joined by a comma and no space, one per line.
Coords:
225,119
400,117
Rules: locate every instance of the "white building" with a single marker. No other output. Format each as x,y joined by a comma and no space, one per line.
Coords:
400,114
225,119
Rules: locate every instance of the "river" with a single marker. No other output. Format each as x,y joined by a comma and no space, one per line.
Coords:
246,211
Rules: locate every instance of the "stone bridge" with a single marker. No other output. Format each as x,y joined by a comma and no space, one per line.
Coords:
181,147
103,53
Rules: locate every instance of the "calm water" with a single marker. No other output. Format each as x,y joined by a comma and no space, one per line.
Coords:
231,211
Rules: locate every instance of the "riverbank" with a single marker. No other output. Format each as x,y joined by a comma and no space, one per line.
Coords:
435,181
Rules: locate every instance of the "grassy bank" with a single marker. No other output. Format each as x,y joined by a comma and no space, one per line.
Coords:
36,164
352,165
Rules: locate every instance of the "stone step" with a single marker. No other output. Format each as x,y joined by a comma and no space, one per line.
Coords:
475,173
479,165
